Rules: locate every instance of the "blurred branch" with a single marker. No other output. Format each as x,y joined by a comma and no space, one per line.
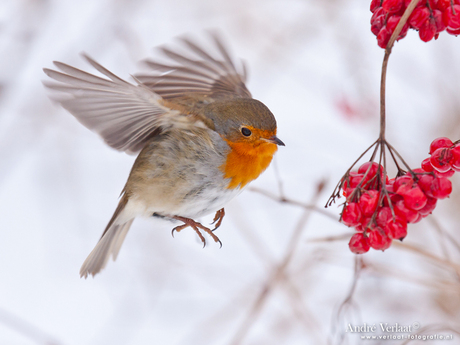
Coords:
343,237
444,263
278,179
431,281
444,234
348,303
26,329
279,272
440,261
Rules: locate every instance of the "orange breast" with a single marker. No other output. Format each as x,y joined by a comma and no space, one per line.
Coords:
246,162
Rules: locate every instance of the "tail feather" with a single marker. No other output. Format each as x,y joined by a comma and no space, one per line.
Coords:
109,244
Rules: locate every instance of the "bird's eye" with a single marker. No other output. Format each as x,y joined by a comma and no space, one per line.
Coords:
246,132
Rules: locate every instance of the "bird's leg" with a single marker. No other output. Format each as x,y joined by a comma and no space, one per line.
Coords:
188,222
218,218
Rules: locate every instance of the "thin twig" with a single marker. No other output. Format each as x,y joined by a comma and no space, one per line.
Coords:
293,202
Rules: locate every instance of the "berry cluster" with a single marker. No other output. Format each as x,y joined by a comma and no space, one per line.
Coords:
380,210
430,17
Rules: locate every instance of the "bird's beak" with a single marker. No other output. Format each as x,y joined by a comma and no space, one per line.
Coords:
275,140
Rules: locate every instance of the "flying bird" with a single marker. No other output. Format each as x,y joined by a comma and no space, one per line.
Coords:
201,136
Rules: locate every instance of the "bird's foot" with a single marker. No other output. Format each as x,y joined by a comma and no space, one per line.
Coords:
188,222
218,218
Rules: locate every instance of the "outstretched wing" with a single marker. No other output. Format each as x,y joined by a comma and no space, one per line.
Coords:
125,115
196,73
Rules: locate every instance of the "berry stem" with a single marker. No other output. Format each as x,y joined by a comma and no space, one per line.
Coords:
392,150
400,171
400,25
388,49
338,187
382,94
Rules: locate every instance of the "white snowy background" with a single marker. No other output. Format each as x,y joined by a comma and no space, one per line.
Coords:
316,65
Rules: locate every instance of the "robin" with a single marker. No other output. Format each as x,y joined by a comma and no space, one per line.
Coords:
202,137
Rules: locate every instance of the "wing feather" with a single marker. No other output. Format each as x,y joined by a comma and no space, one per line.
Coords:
196,72
128,115
125,115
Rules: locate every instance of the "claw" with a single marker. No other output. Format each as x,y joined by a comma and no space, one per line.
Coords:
178,228
197,226
218,218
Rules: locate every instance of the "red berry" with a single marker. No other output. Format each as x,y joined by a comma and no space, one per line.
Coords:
455,161
359,244
368,202
384,216
426,165
375,4
440,142
374,167
440,26
429,207
443,4
454,32
392,6
441,188
447,174
392,22
347,191
427,30
353,180
417,219
425,182
419,17
379,12
378,21
394,227
414,198
393,197
416,171
451,17
397,230
403,184
389,188
378,239
377,24
383,37
407,2
404,31
440,159
403,212
365,224
351,215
